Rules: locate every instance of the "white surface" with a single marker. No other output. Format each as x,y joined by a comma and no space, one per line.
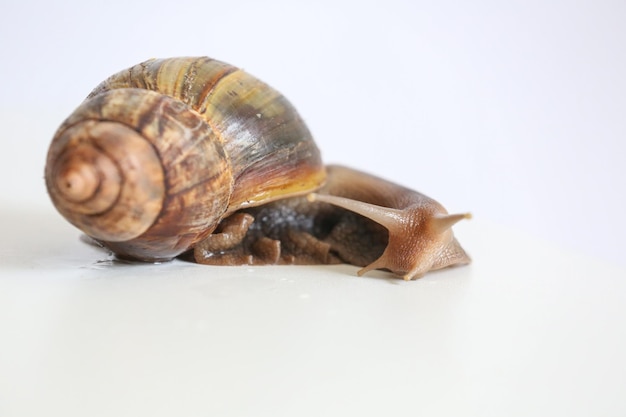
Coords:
525,330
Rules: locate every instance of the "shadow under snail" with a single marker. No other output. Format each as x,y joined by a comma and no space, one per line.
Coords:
182,155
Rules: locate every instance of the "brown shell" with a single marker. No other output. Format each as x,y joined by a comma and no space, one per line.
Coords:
159,153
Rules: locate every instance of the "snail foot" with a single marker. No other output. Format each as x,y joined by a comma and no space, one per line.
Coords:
221,248
306,249
266,250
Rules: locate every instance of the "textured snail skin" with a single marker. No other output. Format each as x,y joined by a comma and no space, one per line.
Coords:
182,154
355,218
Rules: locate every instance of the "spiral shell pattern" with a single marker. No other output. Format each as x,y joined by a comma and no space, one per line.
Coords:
159,153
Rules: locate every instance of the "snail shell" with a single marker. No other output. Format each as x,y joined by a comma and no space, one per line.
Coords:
159,153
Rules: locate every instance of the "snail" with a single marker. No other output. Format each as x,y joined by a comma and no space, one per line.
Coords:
193,156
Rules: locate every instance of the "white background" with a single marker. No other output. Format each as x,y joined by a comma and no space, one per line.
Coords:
512,110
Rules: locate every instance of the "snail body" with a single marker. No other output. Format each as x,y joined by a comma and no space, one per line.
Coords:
182,154
355,218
